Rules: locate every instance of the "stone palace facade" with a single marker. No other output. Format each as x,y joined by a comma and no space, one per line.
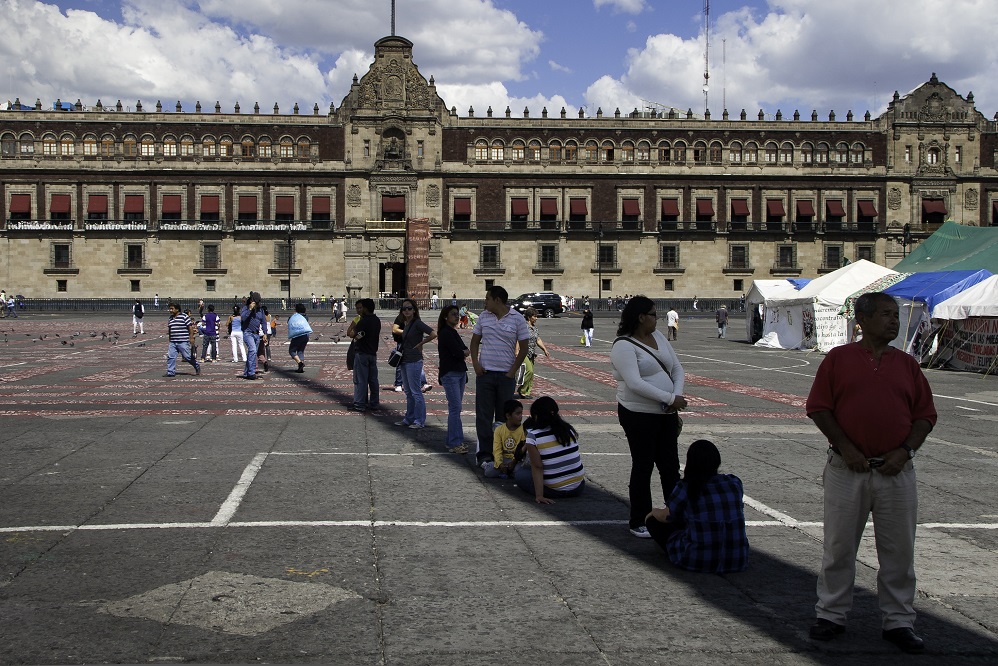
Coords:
395,192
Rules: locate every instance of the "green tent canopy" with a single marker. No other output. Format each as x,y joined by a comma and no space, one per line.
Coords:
954,247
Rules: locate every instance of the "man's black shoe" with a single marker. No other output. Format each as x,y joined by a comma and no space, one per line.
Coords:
905,638
826,630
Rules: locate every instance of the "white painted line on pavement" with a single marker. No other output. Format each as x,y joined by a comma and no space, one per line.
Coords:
976,402
980,451
232,502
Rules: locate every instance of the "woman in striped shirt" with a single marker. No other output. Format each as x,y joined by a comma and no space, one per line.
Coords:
552,447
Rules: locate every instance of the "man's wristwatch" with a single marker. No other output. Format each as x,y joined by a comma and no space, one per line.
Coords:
911,451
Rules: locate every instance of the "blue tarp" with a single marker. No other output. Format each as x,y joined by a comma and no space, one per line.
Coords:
935,287
798,283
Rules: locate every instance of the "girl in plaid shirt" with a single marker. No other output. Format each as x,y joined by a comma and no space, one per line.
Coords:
702,527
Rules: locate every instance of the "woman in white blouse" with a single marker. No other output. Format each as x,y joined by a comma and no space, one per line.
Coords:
650,383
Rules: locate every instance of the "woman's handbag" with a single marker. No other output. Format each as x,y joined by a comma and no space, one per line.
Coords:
351,353
395,357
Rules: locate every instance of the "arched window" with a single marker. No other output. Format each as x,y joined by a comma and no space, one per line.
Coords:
265,148
26,144
821,154
751,154
534,151
225,147
518,150
858,153
735,152
700,152
606,152
571,151
169,146
247,147
627,152
147,148
67,145
842,153
498,151
644,151
664,152
679,152
592,151
807,153
49,145
772,153
932,155
786,153
209,147
716,152
129,147
304,148
554,151
8,145
481,150
187,146
107,146
287,148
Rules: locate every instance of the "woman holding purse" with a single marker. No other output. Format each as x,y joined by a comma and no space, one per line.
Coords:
650,382
413,332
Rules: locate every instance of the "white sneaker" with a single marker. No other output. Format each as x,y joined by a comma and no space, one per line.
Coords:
641,532
399,389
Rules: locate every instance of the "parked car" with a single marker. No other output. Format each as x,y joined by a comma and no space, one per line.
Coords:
547,303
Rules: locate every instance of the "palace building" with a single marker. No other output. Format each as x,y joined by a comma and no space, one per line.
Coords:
396,192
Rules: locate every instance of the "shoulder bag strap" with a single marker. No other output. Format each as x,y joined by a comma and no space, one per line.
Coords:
647,349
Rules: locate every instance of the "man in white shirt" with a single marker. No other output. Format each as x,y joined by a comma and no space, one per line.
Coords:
672,318
496,359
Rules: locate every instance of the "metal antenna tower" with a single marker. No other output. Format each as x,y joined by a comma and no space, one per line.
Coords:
393,18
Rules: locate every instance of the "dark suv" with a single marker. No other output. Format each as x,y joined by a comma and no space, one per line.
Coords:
547,303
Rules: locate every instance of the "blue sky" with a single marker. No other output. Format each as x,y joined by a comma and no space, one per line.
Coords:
780,54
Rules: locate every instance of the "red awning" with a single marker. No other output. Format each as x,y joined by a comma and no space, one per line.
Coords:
631,207
171,204
462,205
97,203
805,208
247,203
549,206
518,206
60,203
739,207
578,207
320,205
392,204
285,205
135,203
670,207
775,208
20,203
934,206
866,208
209,203
705,207
834,208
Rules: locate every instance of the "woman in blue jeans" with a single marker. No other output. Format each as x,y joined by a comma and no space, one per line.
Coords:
453,374
415,334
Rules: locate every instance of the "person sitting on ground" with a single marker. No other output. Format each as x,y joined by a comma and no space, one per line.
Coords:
702,527
552,447
505,440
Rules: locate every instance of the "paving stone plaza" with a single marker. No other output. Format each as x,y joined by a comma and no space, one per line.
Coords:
209,519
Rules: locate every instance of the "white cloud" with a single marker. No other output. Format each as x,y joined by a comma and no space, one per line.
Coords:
621,6
558,68
495,95
813,54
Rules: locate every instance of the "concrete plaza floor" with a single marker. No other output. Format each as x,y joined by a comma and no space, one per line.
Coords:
210,519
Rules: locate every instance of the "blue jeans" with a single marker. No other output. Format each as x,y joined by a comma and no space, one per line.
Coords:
365,378
398,377
454,383
415,405
524,477
210,341
252,341
492,390
184,350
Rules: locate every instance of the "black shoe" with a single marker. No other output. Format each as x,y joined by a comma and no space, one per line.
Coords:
825,630
250,377
266,366
904,638
301,367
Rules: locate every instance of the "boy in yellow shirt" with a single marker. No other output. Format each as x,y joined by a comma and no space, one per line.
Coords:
505,439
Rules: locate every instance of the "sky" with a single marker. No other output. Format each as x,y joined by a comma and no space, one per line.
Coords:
764,55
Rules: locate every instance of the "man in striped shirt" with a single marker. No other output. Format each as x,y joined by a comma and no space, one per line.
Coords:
182,334
495,357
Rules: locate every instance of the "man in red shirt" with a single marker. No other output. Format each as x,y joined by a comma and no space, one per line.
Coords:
874,405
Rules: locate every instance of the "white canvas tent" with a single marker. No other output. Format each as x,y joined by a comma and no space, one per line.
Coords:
761,292
810,317
969,332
